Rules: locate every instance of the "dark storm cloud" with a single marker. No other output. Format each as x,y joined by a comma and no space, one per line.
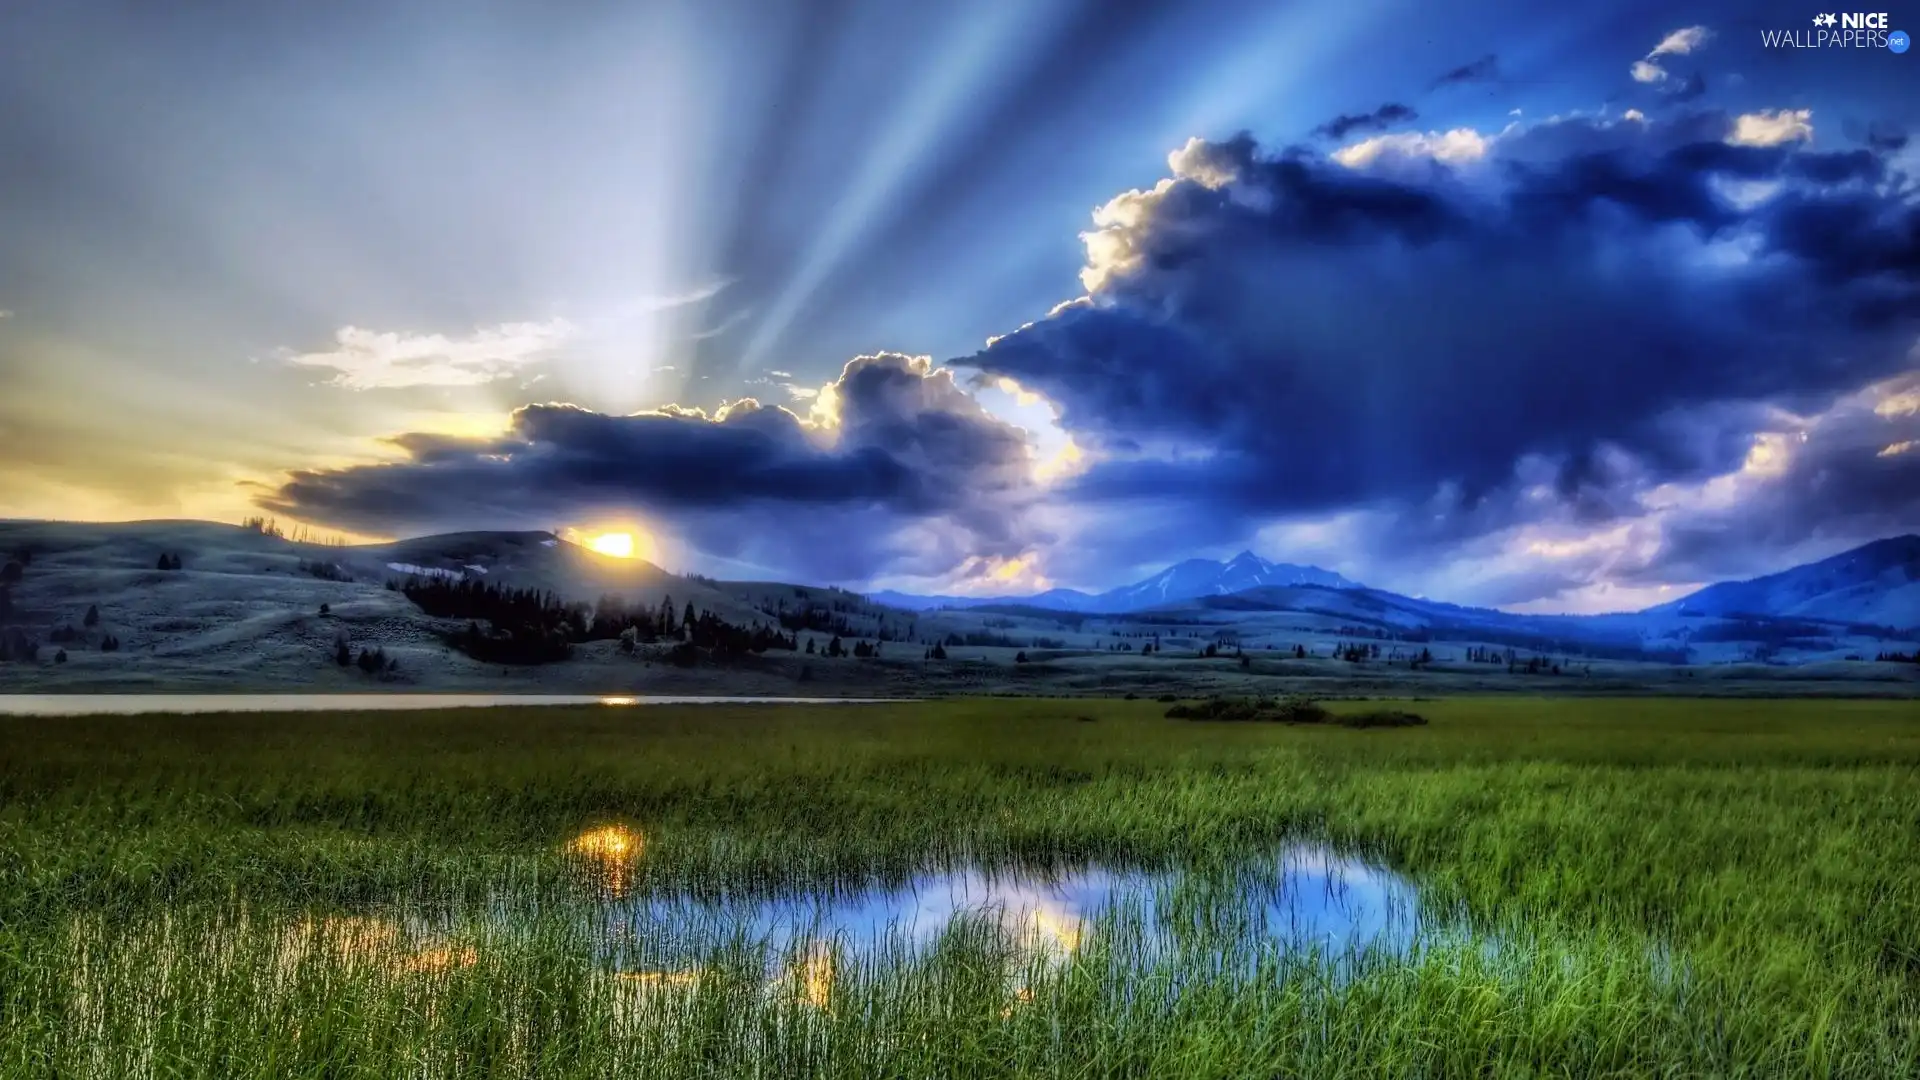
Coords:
1485,69
1851,473
1885,138
1379,119
748,482
1315,336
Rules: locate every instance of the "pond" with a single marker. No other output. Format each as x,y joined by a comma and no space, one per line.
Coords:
130,704
1301,900
1301,904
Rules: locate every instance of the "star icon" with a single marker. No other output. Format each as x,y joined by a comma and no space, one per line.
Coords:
1824,20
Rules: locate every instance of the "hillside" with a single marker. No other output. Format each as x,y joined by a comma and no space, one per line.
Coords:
247,610
1877,584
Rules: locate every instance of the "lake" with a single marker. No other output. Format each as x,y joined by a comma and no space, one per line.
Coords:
129,704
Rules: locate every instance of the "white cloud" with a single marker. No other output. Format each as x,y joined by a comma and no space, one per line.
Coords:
1460,144
372,360
1681,42
1771,127
1678,43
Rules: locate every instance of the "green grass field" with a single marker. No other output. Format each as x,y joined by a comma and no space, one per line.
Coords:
243,896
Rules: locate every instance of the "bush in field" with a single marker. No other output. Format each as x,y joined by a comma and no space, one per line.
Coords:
1382,718
1294,710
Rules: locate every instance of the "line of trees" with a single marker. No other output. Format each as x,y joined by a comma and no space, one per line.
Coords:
530,626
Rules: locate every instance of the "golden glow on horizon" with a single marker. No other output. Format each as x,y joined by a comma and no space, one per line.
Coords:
618,545
624,541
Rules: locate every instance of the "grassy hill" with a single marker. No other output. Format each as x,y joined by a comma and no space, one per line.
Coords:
248,610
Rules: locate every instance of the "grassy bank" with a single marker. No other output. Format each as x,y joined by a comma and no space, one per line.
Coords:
151,869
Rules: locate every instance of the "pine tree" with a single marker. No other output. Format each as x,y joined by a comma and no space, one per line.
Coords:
92,618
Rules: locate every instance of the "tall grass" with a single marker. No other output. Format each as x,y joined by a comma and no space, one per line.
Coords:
1679,888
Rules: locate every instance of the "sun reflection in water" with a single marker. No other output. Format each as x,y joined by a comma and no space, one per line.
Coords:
619,701
659,978
373,941
1049,931
610,850
815,977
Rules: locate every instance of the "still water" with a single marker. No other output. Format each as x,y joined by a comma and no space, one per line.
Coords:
1299,899
1303,900
128,704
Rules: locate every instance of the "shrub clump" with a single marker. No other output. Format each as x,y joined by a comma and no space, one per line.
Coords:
1382,718
1293,710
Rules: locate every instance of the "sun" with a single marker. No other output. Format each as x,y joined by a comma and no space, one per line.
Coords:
619,545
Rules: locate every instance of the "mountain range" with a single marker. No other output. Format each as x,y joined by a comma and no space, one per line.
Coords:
1877,584
1189,580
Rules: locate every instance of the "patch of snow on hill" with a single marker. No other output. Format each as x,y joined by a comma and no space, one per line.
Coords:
423,571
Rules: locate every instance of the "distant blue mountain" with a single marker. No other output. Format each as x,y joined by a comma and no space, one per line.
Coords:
1877,584
1188,580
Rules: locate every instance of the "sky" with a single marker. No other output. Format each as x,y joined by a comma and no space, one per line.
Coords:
1568,310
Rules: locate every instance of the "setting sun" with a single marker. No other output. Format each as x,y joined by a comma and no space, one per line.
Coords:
617,544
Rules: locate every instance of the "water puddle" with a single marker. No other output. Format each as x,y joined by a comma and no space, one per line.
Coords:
1300,900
